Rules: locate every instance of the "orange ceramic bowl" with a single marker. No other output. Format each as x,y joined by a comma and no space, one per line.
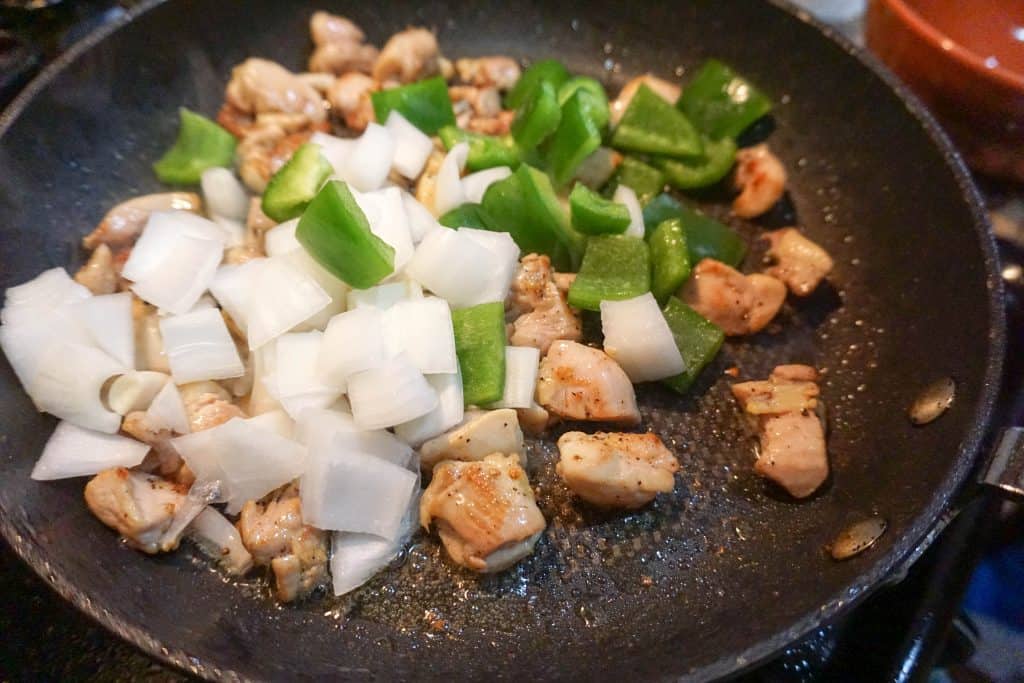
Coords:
966,61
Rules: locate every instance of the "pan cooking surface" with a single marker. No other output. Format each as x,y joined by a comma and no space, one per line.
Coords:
704,581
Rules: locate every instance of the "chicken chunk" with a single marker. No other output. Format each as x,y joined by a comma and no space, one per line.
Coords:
477,108
493,431
739,304
488,72
265,92
98,274
264,150
163,459
616,470
499,124
149,342
761,180
123,223
408,56
539,307
534,420
350,99
207,405
790,431
339,45
582,383
274,533
484,512
325,28
667,90
257,222
799,263
139,506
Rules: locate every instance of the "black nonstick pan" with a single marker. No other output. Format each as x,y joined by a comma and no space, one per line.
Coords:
705,582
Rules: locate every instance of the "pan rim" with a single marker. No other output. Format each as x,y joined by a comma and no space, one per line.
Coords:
919,535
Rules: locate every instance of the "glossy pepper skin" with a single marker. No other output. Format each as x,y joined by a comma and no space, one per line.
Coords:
545,71
646,180
592,214
201,144
335,232
537,118
705,237
469,216
485,151
670,258
697,339
699,172
652,125
480,347
425,104
295,184
599,98
615,267
577,137
720,102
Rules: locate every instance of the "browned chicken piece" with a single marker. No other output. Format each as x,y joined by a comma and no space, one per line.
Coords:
149,342
761,180
339,45
484,512
480,435
163,459
325,28
350,99
483,72
207,405
739,304
616,470
98,274
485,102
408,56
426,184
263,151
138,506
534,420
500,124
272,530
667,90
263,92
123,223
257,222
578,382
799,263
243,253
540,309
790,431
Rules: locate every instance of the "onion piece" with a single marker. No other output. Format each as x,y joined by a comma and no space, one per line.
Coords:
298,383
421,221
262,399
386,295
68,382
390,394
317,427
199,346
637,337
167,410
42,295
475,184
412,146
281,239
448,192
521,365
332,286
280,297
354,341
108,318
457,268
234,230
422,330
135,390
506,261
449,412
224,194
276,421
386,214
626,196
369,159
73,451
25,341
219,538
336,150
231,285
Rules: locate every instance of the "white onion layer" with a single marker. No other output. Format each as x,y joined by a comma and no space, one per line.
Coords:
199,346
354,341
412,146
76,452
224,194
521,365
422,330
390,394
626,196
475,184
456,267
448,190
449,411
369,159
637,337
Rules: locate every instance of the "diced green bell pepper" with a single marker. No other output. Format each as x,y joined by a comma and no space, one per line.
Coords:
335,232
201,144
485,151
537,118
599,99
692,174
643,179
295,184
468,216
592,214
697,339
705,237
670,258
480,347
578,136
425,104
652,125
615,267
545,71
720,102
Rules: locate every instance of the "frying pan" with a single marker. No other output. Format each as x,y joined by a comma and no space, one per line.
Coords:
703,583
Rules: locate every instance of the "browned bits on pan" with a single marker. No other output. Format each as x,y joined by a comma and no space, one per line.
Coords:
857,538
933,401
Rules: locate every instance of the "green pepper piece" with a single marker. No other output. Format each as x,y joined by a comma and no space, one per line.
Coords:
592,214
615,267
705,237
480,347
720,102
643,179
335,232
578,136
425,104
692,174
670,258
201,144
468,216
599,99
526,206
295,184
485,151
652,125
697,338
537,118
545,71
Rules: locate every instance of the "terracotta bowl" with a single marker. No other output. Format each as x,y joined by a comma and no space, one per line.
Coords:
966,61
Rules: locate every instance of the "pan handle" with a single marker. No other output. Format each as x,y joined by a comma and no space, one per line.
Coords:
1004,471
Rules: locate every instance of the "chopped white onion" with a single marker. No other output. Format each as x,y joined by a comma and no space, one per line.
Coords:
637,337
276,421
298,383
332,286
25,342
390,394
68,382
354,341
386,214
317,427
448,190
386,295
336,150
627,197
280,297
369,159
40,296
108,318
199,346
262,399
135,390
221,540
224,194
234,230
475,184
412,146
457,268
281,239
167,410
231,285
76,452
449,411
506,261
421,221
521,364
422,330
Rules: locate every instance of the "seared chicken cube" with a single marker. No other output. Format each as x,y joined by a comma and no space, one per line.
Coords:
799,263
494,431
139,506
761,180
207,405
484,512
539,306
98,275
739,304
349,96
124,223
616,470
578,382
408,56
339,45
483,72
665,89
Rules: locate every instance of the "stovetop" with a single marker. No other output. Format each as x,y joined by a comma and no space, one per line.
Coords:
886,638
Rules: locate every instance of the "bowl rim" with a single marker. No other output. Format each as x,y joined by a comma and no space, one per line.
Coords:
961,54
